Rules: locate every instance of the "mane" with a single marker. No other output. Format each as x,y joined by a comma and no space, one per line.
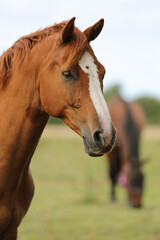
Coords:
133,134
18,51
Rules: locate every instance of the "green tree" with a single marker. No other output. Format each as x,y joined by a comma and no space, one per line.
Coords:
112,91
53,120
151,107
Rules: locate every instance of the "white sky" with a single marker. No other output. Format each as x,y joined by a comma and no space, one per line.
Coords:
128,47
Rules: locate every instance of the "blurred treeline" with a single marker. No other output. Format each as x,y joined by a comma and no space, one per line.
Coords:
150,105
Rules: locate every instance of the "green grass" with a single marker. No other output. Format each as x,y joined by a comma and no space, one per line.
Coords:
71,200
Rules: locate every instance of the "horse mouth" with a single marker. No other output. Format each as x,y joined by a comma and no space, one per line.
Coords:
134,204
95,151
92,153
135,199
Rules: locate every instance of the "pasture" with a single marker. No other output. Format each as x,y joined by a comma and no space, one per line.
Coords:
71,198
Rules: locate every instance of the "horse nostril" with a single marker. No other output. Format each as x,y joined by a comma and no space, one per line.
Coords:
105,144
99,141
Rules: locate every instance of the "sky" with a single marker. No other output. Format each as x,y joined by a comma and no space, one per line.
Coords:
128,46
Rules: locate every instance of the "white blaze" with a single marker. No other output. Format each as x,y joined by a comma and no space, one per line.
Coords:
87,64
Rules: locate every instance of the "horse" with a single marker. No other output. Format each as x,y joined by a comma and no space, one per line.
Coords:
124,160
51,72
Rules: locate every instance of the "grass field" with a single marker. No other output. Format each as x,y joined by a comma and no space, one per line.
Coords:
71,200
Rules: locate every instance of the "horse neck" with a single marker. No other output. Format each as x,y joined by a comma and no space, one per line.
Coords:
22,118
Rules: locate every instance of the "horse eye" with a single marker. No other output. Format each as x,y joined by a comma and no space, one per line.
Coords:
68,74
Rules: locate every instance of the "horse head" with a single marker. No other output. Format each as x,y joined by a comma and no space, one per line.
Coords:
71,86
136,184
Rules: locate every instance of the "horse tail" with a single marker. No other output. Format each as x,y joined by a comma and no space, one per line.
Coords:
132,133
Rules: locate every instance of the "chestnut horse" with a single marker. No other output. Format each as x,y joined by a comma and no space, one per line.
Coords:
50,72
124,162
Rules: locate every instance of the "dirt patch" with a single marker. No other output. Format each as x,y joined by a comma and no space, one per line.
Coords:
152,132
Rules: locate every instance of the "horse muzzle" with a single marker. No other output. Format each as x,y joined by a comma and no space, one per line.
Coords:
135,200
96,144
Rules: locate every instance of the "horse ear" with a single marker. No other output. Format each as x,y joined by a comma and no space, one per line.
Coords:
68,30
93,31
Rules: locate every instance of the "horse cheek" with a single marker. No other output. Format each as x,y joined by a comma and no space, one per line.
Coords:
51,99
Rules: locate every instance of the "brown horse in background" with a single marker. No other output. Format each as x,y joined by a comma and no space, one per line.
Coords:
124,161
50,72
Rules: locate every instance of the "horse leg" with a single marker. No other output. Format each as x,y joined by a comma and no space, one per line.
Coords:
7,193
114,169
24,194
12,213
113,177
12,235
